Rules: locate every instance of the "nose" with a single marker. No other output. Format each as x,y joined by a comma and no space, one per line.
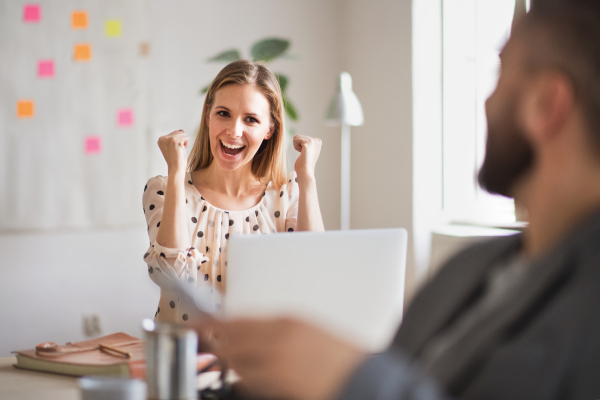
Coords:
237,129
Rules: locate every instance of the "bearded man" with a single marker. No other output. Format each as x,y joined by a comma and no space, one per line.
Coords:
516,318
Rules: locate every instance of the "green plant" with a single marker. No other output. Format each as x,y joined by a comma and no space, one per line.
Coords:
265,51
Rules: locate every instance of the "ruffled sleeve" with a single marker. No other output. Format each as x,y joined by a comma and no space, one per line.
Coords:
166,266
293,193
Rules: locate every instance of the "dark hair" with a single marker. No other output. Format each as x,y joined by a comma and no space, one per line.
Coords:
565,35
537,5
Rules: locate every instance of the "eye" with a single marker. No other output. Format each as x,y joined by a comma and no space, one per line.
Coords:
223,113
252,119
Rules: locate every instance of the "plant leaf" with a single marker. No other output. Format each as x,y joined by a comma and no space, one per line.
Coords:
290,110
226,56
283,81
269,49
204,90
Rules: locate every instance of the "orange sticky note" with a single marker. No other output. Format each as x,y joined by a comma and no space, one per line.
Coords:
25,109
83,52
79,20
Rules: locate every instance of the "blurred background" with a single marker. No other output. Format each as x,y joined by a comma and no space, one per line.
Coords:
88,86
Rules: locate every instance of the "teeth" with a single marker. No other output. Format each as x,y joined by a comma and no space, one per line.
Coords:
232,146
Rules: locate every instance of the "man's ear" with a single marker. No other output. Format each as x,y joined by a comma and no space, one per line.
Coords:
548,102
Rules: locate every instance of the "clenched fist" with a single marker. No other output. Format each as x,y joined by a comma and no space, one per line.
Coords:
309,149
172,147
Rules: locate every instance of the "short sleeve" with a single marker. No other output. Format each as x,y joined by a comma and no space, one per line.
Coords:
293,193
166,265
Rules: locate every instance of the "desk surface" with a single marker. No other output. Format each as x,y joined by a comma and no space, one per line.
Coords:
25,385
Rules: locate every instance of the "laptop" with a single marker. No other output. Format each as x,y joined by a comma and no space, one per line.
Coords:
350,283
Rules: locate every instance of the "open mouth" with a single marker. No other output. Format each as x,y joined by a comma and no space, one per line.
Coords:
232,149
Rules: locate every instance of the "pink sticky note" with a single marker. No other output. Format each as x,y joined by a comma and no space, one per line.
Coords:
125,117
93,144
31,13
46,69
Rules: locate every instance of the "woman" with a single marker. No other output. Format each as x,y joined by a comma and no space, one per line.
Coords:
235,184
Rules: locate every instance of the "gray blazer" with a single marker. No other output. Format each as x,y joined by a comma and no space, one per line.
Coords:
544,345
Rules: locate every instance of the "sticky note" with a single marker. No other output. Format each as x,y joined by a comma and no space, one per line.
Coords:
46,69
125,117
31,13
144,49
79,20
25,109
93,144
113,28
82,52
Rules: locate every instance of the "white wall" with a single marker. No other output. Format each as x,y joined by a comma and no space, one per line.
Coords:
377,53
50,280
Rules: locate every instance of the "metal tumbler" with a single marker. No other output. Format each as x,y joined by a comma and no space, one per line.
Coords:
170,361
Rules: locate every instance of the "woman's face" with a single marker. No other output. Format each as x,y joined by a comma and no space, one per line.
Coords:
238,122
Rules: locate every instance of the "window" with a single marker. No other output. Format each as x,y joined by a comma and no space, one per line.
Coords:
473,34
456,46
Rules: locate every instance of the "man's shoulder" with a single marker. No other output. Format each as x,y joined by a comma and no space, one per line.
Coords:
452,285
483,254
472,264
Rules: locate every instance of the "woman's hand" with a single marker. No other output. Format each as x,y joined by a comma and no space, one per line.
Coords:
173,231
309,149
309,212
173,148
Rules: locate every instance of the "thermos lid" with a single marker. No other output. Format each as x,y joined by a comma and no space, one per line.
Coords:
156,328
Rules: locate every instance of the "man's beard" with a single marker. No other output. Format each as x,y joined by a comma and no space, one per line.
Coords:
508,155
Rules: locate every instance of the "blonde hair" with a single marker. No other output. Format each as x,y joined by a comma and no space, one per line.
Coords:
269,160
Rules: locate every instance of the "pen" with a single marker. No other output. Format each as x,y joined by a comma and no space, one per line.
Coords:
110,350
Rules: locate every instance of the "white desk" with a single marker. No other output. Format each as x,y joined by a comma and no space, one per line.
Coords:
20,384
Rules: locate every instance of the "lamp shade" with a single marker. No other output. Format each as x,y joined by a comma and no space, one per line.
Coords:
345,109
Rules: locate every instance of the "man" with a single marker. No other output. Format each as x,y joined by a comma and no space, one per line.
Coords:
514,318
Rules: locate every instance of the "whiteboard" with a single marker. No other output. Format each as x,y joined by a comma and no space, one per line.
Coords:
81,159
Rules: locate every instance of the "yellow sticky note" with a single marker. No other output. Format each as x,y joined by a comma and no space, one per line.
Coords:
83,52
79,20
113,28
25,108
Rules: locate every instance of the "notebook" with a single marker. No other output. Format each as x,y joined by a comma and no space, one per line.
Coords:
86,358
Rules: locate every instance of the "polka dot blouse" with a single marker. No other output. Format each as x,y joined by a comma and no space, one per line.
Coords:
204,263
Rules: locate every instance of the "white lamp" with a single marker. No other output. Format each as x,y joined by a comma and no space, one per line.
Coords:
345,111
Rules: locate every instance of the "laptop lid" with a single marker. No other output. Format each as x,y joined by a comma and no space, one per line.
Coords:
350,283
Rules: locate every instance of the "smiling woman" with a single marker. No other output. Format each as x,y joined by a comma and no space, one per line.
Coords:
235,183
